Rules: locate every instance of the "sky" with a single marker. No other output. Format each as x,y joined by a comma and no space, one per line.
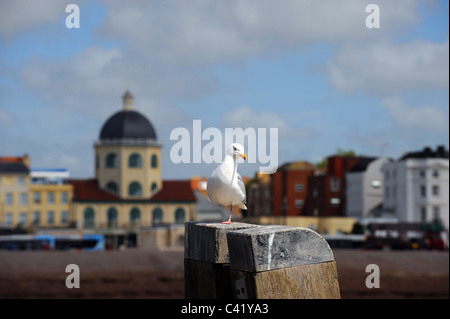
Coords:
312,69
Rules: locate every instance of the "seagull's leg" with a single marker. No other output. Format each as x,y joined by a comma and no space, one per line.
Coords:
229,219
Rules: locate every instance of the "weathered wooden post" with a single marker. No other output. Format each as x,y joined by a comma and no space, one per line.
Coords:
206,260
281,262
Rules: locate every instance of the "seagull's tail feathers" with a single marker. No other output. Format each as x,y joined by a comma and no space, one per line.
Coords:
241,205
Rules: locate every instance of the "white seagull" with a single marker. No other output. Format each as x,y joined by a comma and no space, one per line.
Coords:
225,185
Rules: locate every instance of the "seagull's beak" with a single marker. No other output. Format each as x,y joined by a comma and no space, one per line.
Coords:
243,156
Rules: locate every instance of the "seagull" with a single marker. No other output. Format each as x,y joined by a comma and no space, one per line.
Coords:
225,185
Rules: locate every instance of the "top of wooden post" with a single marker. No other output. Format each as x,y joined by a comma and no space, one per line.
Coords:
208,241
275,247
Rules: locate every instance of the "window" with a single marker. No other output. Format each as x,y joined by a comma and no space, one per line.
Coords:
435,173
36,218
154,161
435,190
9,199
299,187
376,183
299,203
24,199
135,189
135,161
335,201
21,180
112,217
88,218
422,173
23,219
436,213
50,217
180,216
97,161
37,197
423,214
112,161
157,216
64,217
154,187
8,219
112,186
423,191
135,215
64,198
51,198
335,184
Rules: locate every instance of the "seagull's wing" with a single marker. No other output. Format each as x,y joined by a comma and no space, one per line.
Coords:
241,185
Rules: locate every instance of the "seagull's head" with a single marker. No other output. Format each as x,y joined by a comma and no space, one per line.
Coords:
236,150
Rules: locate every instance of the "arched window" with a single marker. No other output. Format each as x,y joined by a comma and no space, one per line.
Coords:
135,215
112,217
157,218
112,186
89,218
180,216
154,186
135,161
154,161
112,160
135,189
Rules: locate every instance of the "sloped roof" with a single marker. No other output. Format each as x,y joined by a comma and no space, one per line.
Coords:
361,166
299,165
427,152
175,190
13,168
88,190
171,191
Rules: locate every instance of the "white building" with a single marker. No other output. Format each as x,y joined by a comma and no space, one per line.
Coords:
364,187
416,187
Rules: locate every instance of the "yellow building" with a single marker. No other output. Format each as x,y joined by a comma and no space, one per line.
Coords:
33,199
127,196
127,193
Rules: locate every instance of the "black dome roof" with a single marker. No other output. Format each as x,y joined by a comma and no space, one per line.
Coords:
127,124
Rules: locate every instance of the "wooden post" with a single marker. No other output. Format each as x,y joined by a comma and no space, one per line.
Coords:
281,262
206,260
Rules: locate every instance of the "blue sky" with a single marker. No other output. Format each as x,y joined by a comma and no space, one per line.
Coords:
310,68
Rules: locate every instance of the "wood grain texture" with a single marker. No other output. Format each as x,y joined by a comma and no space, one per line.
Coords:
314,281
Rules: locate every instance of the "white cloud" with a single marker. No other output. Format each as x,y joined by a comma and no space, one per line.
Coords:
245,117
389,68
207,32
424,117
17,16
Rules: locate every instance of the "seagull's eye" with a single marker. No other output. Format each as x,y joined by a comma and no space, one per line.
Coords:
234,148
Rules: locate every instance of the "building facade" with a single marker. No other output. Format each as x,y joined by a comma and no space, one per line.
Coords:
128,193
416,187
126,197
326,195
33,198
364,191
290,188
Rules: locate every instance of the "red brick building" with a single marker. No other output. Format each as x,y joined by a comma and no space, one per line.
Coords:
290,188
326,196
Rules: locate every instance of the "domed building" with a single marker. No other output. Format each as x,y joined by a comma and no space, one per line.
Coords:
127,195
